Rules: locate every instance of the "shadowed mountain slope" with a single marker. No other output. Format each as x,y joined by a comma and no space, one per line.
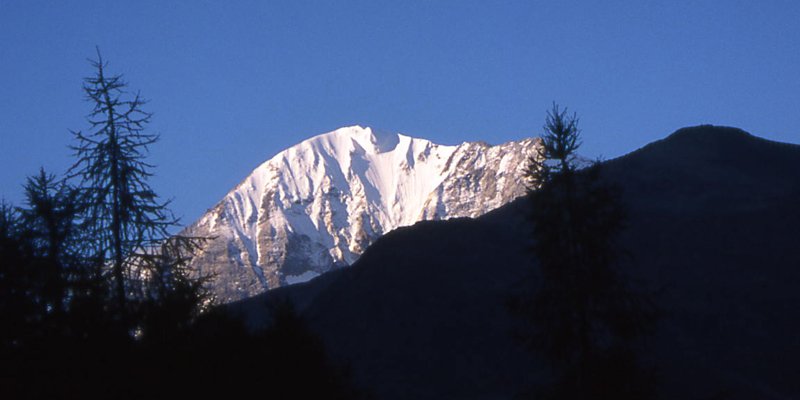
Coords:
713,227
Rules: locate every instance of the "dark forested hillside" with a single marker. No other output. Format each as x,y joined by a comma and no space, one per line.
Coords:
712,231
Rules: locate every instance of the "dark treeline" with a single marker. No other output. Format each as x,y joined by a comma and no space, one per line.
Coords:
96,299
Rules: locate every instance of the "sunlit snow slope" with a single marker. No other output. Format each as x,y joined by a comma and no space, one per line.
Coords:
319,204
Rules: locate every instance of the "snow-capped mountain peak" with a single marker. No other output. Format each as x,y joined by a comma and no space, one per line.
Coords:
320,203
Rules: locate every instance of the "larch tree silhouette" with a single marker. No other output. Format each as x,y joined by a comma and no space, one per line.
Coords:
581,314
123,215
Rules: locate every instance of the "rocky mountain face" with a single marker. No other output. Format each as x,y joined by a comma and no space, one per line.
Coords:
318,205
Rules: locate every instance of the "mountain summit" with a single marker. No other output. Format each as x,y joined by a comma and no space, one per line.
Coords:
317,205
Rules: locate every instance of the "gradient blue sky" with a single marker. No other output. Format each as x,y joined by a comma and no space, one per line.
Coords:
233,83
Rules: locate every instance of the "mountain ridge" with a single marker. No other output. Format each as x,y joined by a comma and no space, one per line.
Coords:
319,204
422,314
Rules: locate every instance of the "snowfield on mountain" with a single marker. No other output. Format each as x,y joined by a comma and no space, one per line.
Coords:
319,204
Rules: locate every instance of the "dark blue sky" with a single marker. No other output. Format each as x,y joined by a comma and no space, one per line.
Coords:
233,83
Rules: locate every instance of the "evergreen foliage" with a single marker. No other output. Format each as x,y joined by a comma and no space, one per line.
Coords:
582,315
123,216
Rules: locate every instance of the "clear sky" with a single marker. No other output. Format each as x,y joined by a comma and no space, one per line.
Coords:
232,83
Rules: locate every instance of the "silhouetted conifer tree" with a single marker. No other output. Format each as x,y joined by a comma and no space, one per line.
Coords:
122,213
95,295
39,262
583,317
49,226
